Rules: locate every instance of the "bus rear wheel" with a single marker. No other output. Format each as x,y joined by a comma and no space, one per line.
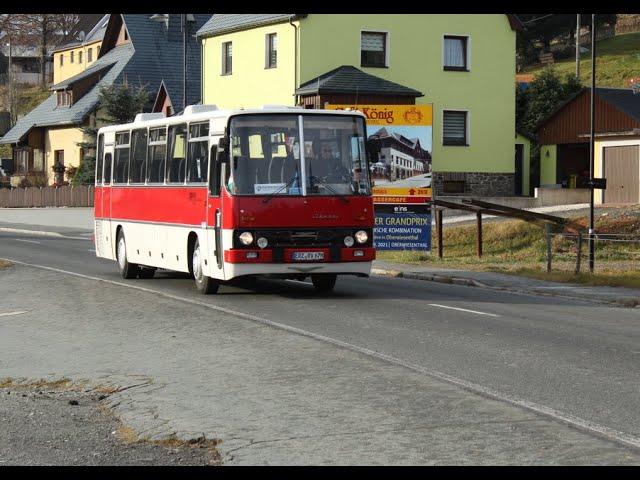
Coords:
146,272
204,284
324,282
127,270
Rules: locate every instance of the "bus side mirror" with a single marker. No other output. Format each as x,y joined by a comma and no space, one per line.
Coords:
223,150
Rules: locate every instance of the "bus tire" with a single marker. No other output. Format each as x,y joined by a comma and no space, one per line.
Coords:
127,270
324,282
146,273
205,285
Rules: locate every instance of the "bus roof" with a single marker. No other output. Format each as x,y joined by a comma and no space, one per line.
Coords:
195,113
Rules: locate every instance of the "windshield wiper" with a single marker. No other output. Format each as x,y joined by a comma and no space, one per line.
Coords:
328,187
284,187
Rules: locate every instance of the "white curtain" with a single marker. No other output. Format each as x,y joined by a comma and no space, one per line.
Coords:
454,52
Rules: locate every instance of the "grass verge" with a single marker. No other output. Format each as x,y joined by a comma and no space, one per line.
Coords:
519,248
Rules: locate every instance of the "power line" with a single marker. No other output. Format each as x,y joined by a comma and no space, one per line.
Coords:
539,18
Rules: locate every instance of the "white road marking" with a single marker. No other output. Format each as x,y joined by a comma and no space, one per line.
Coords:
91,250
8,314
565,418
28,241
464,310
39,233
297,281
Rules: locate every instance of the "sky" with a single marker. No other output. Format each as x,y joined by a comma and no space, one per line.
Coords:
422,132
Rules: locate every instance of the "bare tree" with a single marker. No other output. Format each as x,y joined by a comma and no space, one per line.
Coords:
43,30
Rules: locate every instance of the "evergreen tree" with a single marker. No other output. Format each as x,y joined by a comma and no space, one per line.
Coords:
118,103
545,93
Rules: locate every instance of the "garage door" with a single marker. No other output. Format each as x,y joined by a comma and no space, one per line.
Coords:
622,171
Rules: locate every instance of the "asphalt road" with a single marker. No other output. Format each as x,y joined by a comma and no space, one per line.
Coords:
573,358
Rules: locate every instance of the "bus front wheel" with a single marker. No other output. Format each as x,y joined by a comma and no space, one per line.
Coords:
324,282
127,270
204,284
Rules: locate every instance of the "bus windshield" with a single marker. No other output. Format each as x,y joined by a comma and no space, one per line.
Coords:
267,158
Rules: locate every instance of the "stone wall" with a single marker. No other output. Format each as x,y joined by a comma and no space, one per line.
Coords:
480,184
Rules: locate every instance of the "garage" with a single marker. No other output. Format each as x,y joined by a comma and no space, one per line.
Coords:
622,171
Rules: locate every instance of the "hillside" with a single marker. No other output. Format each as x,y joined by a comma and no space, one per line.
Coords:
618,59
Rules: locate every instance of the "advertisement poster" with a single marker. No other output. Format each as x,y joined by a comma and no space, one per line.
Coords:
403,218
402,137
401,173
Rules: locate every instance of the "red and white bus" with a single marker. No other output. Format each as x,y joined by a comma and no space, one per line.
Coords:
221,194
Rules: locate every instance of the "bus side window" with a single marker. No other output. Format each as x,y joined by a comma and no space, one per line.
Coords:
107,169
138,163
99,159
176,156
214,174
157,155
122,154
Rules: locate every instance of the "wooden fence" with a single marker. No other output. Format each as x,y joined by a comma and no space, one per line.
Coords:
69,196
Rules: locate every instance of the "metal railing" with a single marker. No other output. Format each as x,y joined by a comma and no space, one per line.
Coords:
67,196
612,252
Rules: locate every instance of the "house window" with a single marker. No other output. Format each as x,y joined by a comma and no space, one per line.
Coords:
80,57
89,54
64,98
454,128
61,59
271,51
72,55
373,49
456,53
227,58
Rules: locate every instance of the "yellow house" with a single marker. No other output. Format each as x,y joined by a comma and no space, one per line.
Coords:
73,58
464,65
133,48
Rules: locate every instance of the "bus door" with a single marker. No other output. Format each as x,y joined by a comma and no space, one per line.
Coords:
107,234
97,196
214,214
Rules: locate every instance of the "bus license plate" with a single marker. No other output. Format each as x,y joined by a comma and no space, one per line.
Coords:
307,256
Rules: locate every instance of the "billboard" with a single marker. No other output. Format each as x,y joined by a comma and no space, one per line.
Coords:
401,173
402,136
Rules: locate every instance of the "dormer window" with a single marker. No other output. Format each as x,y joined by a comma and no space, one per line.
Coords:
64,98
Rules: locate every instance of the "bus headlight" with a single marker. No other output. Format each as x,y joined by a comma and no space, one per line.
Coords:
246,238
348,241
362,236
262,242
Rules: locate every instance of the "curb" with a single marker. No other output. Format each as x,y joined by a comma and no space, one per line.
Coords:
622,302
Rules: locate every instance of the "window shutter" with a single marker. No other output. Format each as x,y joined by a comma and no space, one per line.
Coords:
454,128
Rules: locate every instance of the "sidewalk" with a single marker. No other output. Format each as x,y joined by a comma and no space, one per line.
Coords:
618,296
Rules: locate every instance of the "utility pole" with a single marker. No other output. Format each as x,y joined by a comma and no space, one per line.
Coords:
591,144
578,47
183,18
